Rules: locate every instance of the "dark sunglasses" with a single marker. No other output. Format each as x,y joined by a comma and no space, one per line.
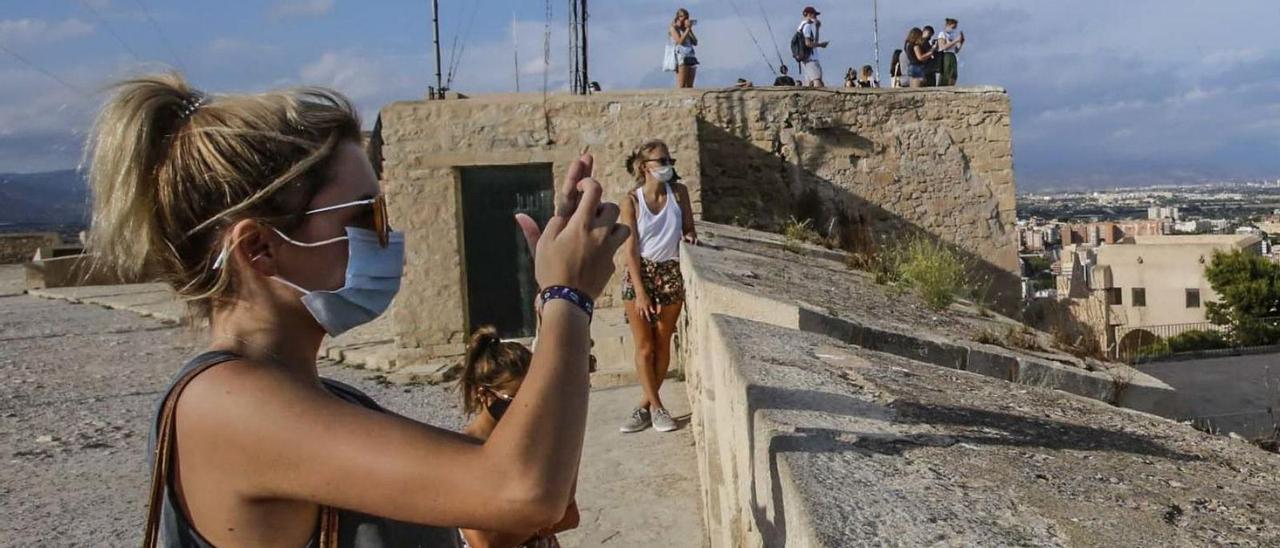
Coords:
663,161
380,224
498,407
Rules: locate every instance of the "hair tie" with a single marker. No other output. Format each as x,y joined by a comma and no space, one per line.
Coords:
190,104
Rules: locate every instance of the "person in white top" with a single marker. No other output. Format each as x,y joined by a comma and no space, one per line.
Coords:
810,68
949,42
660,216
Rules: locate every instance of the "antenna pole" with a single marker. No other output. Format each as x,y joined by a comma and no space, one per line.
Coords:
515,49
435,22
586,78
875,12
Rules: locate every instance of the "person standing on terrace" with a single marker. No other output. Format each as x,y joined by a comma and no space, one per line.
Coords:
681,34
660,216
950,42
263,212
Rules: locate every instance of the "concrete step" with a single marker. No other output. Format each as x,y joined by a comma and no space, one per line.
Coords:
614,351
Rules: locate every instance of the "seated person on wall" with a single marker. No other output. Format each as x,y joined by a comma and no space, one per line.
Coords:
783,78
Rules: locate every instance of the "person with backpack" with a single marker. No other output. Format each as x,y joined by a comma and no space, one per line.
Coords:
895,69
804,47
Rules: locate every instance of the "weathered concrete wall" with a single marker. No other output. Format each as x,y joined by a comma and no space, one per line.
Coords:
891,163
884,163
807,438
19,247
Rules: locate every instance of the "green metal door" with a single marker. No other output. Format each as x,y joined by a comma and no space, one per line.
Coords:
500,282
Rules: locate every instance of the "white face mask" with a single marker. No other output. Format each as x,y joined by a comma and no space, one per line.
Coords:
663,174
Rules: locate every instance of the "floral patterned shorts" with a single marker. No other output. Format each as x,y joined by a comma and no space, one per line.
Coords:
662,282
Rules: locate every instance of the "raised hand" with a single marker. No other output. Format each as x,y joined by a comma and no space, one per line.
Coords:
576,247
566,200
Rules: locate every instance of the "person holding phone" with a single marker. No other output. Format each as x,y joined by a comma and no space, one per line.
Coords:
660,216
263,212
681,34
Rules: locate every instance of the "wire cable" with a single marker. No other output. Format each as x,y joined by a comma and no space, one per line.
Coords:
163,38
37,68
752,35
772,35
110,29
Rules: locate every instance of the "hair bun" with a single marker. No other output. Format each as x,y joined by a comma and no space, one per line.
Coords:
484,338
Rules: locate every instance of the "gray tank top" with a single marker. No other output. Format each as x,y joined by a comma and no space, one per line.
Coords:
355,530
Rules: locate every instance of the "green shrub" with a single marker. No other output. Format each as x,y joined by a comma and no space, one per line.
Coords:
933,270
1154,350
1198,340
800,232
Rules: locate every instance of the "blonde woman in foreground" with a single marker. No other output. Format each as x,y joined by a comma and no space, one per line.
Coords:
264,213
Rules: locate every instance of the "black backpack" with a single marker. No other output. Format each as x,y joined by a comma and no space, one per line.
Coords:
799,50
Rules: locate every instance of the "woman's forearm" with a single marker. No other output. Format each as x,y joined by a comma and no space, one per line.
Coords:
542,432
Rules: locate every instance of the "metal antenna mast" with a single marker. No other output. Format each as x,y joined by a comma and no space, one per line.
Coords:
435,22
579,80
875,16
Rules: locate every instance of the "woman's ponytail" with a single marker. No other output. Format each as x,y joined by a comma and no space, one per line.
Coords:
130,139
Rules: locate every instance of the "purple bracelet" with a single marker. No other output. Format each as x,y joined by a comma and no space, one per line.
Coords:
578,298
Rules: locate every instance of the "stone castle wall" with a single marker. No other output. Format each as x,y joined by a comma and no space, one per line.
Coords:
21,246
868,167
881,162
426,142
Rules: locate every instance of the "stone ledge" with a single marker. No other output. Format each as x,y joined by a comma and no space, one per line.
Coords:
1123,386
804,441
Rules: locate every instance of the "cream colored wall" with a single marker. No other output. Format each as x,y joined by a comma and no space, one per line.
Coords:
1166,271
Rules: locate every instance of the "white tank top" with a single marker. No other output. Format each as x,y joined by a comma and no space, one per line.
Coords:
660,232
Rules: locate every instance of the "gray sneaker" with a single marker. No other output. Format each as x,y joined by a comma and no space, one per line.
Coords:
639,420
662,420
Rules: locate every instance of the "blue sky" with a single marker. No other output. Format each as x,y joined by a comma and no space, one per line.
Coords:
1104,91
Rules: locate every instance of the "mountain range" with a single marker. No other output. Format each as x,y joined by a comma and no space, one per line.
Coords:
48,198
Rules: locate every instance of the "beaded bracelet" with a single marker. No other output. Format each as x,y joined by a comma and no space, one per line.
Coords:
578,298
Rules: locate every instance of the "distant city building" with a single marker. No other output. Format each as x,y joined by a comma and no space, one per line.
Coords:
1153,280
1160,212
1111,232
1037,237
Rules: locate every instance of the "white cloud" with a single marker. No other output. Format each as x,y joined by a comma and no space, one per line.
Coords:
284,9
23,32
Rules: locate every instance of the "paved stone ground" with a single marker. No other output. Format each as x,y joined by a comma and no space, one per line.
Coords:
78,383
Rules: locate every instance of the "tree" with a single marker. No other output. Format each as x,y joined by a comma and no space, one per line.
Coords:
1248,286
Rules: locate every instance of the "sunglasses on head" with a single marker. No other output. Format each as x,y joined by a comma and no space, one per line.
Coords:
379,206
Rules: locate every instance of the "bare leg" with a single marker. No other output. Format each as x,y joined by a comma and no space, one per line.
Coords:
662,344
643,335
690,74
682,72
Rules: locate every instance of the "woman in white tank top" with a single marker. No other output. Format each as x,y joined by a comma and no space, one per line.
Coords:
660,217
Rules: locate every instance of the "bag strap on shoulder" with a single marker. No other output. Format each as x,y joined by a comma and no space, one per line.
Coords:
162,458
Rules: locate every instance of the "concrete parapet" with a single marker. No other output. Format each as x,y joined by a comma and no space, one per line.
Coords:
805,438
1122,386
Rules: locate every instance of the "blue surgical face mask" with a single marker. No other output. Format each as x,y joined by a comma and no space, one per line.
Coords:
372,281
663,174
